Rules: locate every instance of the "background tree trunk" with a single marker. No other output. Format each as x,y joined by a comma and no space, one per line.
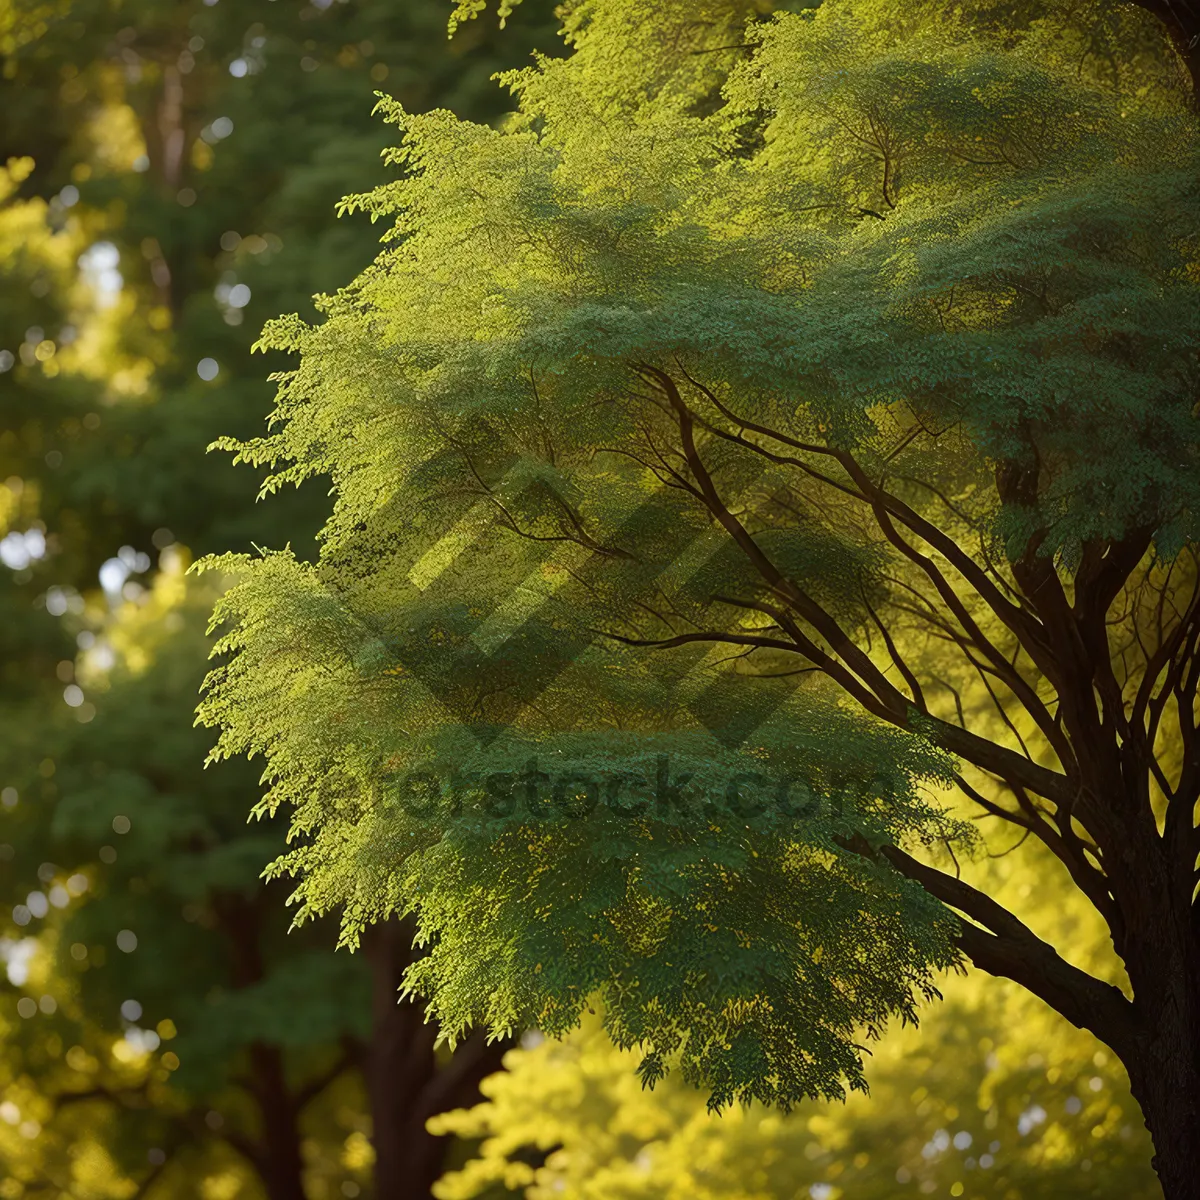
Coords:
280,1161
406,1082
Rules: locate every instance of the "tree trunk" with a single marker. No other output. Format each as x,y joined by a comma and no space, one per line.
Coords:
275,1154
1170,1101
1166,1084
1164,1068
1163,1059
400,1063
405,1081
280,1163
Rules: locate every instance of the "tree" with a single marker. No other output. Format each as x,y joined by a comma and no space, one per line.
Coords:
756,404
159,133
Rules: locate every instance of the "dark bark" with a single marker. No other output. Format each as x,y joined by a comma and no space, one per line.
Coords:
275,1154
1164,1074
1163,1057
280,1163
406,1082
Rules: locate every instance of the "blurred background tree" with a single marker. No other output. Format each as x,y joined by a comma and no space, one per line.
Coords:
171,180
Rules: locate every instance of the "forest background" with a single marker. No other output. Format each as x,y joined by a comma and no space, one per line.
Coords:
169,174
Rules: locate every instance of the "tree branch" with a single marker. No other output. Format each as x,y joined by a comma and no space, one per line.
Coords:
1007,947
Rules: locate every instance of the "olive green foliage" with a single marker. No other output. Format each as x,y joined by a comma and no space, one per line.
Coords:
876,237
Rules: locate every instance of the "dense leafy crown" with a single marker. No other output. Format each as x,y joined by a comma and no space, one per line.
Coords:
873,237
